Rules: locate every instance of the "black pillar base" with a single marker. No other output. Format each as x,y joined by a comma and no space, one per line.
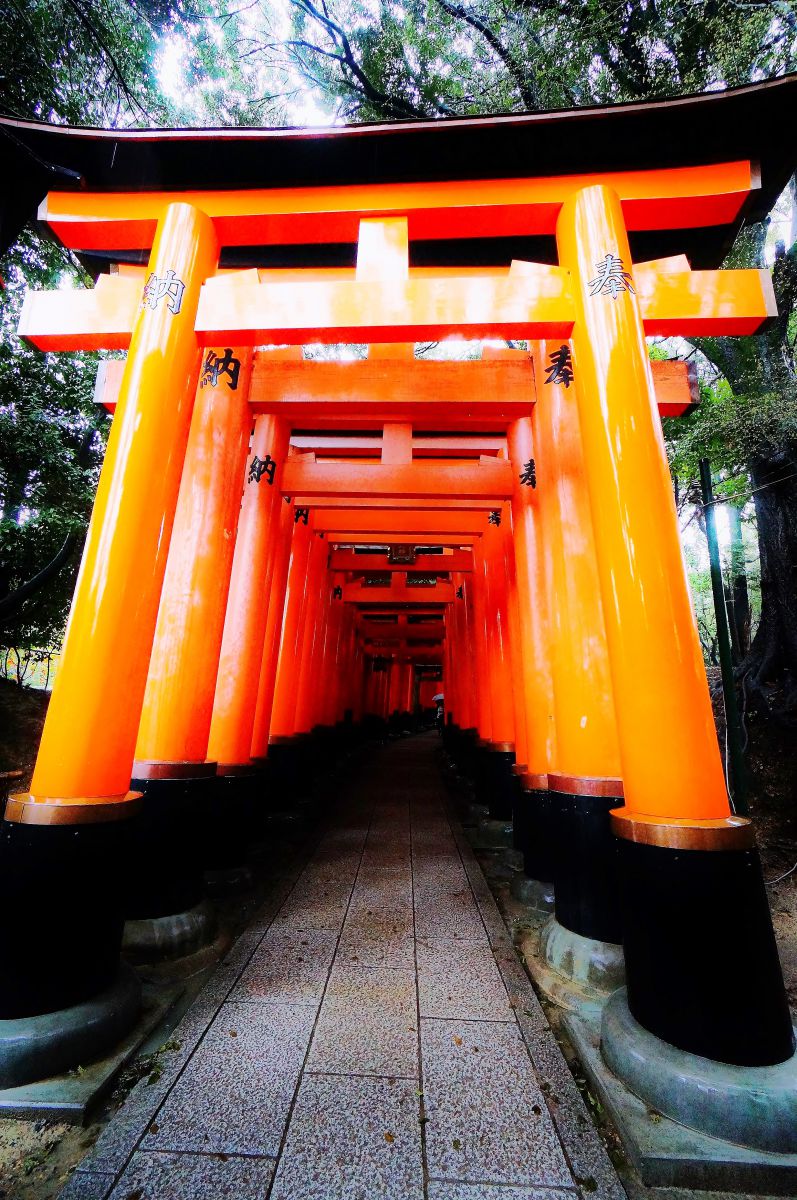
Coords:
230,823
292,766
61,894
62,891
166,846
39,1047
701,960
495,783
535,830
585,860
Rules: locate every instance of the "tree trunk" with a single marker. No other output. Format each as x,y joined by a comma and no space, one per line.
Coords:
10,603
737,594
772,659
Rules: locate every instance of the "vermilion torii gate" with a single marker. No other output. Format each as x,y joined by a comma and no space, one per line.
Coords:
222,622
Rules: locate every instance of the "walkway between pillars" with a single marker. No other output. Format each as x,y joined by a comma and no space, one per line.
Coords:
371,1035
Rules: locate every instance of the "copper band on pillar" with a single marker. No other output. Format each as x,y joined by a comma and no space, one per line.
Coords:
228,769
143,769
721,833
580,785
535,783
501,747
77,810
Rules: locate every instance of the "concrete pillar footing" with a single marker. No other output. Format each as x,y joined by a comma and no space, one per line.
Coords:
229,881
156,939
577,973
37,1047
534,892
491,834
750,1106
473,814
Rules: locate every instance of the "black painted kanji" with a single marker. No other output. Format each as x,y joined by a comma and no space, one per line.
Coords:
214,366
612,278
170,287
528,475
560,368
259,467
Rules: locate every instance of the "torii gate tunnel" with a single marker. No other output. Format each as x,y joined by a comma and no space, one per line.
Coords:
284,547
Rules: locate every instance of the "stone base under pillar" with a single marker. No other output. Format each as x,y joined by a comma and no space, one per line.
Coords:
577,973
156,939
491,834
533,892
666,1153
229,881
34,1048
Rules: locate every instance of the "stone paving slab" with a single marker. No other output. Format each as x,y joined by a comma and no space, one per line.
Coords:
460,979
377,948
303,1072
357,1139
288,969
487,1116
190,1176
368,1024
493,1191
234,1095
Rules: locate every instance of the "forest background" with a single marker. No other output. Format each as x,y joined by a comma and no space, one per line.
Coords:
300,62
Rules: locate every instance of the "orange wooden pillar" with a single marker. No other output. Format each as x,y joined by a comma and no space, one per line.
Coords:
697,924
333,666
178,702
171,768
235,700
353,670
478,618
535,610
282,750
278,583
584,784
461,662
499,757
469,653
313,629
65,838
474,652
456,701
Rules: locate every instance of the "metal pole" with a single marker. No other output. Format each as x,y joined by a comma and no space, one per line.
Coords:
732,722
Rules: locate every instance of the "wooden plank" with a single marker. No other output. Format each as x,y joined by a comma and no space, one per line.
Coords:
685,197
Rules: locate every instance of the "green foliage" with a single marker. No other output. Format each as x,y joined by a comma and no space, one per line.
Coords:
729,429
431,57
51,451
81,61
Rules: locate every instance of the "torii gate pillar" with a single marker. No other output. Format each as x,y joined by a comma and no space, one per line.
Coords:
64,842
702,966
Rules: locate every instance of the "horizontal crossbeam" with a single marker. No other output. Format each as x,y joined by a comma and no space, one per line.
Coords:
399,593
347,560
533,303
490,480
393,537
337,395
413,525
686,197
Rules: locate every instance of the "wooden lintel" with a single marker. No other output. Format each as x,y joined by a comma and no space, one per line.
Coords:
440,395
490,480
345,539
347,560
441,593
657,199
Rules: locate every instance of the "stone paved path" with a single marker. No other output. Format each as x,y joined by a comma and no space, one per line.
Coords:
371,1035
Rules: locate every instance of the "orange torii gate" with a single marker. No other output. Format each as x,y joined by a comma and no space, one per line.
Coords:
184,676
